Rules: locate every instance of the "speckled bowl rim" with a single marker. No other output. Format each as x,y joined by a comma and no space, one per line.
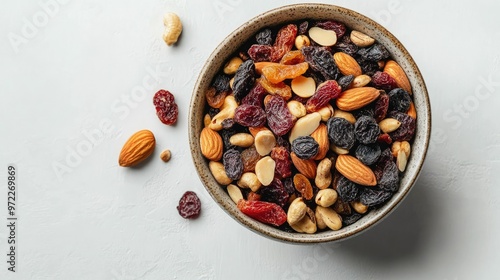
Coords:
292,13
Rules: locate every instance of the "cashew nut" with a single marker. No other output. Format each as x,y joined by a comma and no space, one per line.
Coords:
249,180
219,173
307,224
296,211
326,197
329,217
226,112
173,28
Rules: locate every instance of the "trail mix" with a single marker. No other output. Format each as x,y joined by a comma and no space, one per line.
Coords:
308,127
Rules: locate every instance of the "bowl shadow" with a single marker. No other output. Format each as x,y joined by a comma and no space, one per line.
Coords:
402,235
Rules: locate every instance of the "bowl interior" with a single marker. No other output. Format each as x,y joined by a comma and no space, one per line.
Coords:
287,14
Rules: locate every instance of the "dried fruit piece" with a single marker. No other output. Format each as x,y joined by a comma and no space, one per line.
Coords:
325,92
406,130
281,157
255,96
390,177
215,99
279,118
279,72
292,57
285,40
381,107
373,196
355,170
347,64
280,89
262,211
264,37
253,196
374,53
249,115
366,130
243,79
166,108
259,53
321,60
356,98
137,148
333,25
211,144
347,190
345,81
250,157
341,132
303,186
233,164
412,112
383,80
221,83
399,100
189,205
322,36
368,154
275,193
303,86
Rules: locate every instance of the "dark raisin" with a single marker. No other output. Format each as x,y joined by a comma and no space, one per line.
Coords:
283,162
275,193
406,130
259,53
374,53
399,100
321,60
213,111
303,27
374,196
250,115
283,142
233,164
368,154
264,37
382,80
366,130
244,79
255,96
368,111
342,207
347,190
226,135
390,177
166,108
380,107
221,83
279,118
345,81
351,219
189,205
305,147
345,45
333,25
368,67
288,184
341,132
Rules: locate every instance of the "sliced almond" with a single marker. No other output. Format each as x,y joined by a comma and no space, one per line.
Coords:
264,142
303,86
264,169
305,126
322,36
234,193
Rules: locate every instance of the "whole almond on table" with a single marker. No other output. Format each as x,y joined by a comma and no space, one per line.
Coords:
137,148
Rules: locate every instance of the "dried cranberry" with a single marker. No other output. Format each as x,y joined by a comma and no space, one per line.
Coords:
381,106
255,96
259,53
250,115
262,211
281,157
189,205
406,130
333,25
384,81
275,193
324,93
166,108
279,118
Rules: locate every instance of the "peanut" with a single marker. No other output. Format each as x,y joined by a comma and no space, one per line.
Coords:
173,28
219,173
329,217
307,224
326,112
234,193
165,155
326,197
232,65
296,211
359,207
361,40
323,174
296,108
244,140
389,125
249,180
302,41
361,81
226,111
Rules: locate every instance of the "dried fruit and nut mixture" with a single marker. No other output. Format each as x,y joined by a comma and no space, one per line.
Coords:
309,126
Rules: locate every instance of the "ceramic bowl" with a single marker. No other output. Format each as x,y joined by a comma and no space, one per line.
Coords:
280,16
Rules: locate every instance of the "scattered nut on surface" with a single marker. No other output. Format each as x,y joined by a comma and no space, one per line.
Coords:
165,155
173,28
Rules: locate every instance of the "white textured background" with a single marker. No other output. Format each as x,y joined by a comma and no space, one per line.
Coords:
73,70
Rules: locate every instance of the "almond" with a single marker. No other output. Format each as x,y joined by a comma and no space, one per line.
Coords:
355,170
347,64
356,98
137,148
395,71
412,112
305,166
211,144
320,135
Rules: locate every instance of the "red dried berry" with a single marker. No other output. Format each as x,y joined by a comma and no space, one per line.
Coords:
381,106
406,130
275,193
259,53
384,138
336,26
285,39
325,92
279,118
281,157
166,108
265,212
189,205
383,81
253,196
255,96
250,115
